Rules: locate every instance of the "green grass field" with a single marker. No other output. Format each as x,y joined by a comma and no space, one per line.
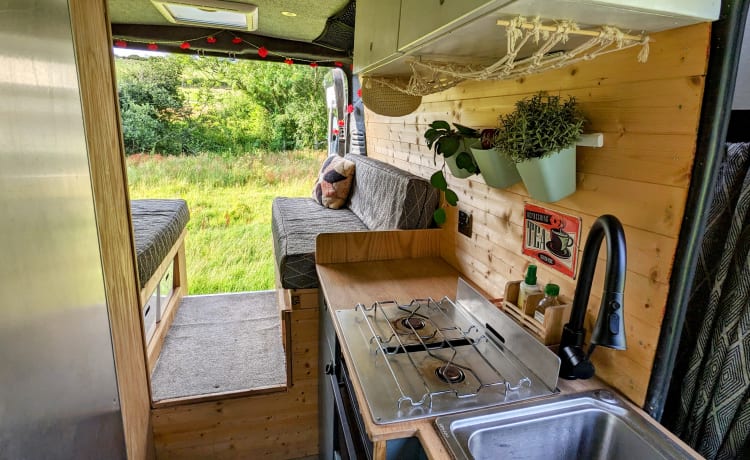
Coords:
229,246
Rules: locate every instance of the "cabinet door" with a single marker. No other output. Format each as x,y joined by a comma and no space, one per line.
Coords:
421,18
376,32
326,348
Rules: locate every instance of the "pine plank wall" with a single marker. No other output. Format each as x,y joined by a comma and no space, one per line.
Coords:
649,116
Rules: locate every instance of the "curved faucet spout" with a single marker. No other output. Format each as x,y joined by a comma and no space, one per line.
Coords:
609,330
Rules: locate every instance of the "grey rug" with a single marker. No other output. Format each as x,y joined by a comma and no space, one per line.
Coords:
220,343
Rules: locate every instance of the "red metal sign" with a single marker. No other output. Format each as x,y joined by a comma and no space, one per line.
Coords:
552,238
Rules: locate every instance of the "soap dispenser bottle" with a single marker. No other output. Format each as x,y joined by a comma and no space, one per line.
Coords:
528,287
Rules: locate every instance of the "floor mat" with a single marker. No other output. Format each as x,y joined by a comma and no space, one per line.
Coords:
220,343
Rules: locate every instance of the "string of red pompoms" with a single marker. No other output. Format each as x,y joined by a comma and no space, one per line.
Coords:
262,51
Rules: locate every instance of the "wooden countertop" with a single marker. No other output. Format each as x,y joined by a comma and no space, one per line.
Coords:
410,267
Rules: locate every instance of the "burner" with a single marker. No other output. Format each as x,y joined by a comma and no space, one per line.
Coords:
413,323
450,374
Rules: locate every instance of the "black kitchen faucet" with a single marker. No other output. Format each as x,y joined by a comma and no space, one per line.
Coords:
609,330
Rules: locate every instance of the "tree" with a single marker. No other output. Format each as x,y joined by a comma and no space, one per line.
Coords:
151,103
179,104
291,95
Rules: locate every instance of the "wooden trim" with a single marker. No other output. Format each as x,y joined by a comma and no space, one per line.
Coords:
179,275
162,327
379,450
176,256
92,40
179,272
217,396
286,324
376,245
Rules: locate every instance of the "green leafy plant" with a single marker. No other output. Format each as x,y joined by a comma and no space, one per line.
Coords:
446,141
539,126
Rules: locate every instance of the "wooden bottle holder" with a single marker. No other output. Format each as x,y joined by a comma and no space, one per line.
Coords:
555,317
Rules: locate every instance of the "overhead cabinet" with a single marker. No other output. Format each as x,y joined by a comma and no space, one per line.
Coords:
422,19
376,34
391,32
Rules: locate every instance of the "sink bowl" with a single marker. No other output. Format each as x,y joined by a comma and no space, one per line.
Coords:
592,425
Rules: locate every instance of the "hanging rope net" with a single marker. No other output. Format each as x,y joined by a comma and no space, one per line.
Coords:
433,76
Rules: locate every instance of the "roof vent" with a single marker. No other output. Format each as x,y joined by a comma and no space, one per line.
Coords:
210,13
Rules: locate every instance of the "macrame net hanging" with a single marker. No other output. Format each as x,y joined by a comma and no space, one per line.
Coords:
432,76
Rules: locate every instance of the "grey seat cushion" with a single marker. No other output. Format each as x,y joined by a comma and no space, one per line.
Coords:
296,222
157,224
385,197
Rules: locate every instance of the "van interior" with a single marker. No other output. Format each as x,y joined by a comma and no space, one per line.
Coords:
106,355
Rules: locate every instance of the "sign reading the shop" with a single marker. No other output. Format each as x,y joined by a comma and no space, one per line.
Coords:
552,238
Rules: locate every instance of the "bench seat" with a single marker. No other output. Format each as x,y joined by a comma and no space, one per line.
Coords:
383,197
157,224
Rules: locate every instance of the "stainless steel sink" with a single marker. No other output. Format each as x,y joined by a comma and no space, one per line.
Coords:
592,425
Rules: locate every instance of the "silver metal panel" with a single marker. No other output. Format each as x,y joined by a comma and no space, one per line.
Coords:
593,424
531,352
58,392
402,386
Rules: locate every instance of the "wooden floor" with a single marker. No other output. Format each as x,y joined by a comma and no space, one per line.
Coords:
275,426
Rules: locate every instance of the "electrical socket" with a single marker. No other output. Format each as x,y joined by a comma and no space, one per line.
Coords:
464,223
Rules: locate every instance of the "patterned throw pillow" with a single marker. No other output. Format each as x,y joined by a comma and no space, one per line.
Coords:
334,182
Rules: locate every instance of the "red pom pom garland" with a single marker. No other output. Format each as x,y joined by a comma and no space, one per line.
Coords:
262,51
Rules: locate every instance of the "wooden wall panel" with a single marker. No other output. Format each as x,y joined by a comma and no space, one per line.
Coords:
111,204
649,116
378,245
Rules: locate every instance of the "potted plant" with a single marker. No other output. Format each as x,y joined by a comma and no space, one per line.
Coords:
540,137
496,168
453,145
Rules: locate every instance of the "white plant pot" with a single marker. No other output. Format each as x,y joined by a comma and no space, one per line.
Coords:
498,171
551,178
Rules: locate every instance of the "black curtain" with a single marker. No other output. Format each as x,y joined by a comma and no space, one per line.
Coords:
709,407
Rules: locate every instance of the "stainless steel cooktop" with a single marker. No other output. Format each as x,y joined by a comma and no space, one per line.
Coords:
433,357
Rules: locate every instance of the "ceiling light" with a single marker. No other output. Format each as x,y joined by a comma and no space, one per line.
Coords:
216,13
289,13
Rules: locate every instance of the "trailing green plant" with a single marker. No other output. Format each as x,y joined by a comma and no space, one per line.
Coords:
446,141
539,126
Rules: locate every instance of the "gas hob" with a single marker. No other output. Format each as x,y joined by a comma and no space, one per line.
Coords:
435,357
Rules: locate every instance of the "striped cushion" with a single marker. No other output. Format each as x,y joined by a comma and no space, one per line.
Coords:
295,224
385,197
156,226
